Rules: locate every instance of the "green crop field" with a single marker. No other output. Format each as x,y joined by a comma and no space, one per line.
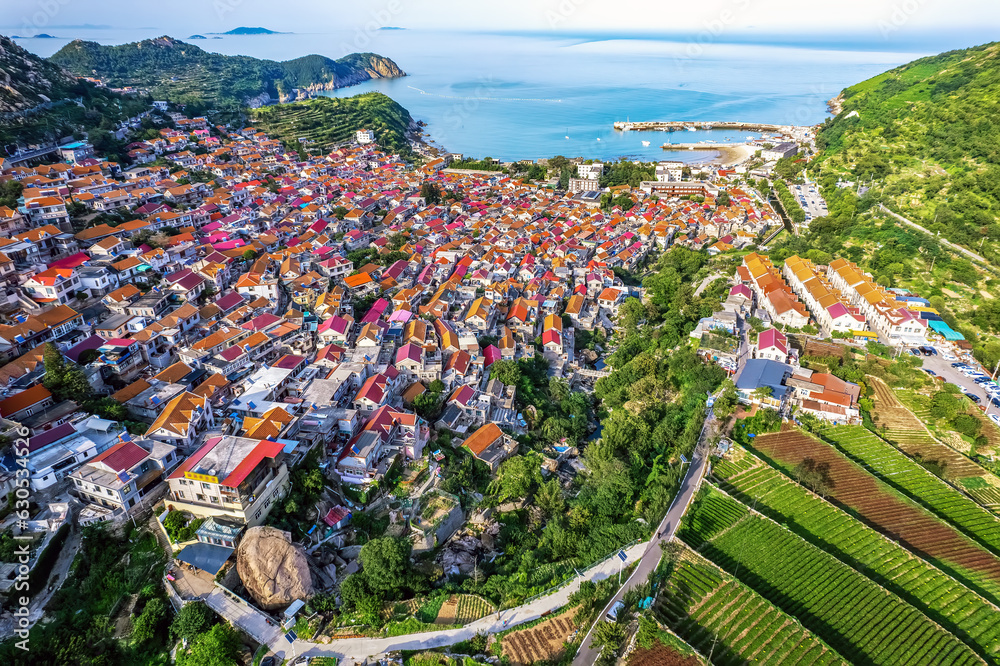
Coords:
893,467
862,621
719,616
945,600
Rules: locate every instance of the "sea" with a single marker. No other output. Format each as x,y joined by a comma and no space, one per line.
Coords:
530,96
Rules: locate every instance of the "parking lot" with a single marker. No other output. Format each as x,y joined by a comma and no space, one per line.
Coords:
809,198
940,365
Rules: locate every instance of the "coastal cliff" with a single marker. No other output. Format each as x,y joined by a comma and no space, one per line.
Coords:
175,70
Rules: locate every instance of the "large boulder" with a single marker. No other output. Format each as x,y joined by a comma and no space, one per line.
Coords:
272,568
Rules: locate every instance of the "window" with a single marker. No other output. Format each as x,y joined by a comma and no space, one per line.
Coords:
215,500
200,497
108,491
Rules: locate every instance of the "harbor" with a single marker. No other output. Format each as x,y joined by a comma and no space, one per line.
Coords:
694,125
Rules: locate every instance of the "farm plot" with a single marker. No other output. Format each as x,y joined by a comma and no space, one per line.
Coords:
540,642
888,511
913,480
721,617
945,600
448,612
908,433
472,608
863,622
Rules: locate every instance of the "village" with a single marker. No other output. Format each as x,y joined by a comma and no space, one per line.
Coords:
245,317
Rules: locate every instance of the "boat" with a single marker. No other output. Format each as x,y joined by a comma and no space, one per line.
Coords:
598,138
645,143
567,137
692,129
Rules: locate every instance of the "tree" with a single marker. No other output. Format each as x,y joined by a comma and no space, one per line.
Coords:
725,405
763,392
145,626
249,256
944,405
386,563
515,478
220,646
431,193
55,367
508,372
64,380
193,620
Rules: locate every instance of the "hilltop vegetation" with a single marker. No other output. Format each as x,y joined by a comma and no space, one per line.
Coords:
326,121
927,132
40,102
182,72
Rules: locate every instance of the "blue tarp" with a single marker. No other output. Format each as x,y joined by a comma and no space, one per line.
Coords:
945,330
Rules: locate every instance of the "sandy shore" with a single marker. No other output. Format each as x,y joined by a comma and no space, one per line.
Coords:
731,155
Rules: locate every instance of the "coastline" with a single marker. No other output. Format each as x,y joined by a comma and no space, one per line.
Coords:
730,155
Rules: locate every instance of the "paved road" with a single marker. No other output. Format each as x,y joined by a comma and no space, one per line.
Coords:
942,368
355,650
970,254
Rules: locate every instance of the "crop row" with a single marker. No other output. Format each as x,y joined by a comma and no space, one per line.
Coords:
946,600
732,624
860,620
711,514
907,476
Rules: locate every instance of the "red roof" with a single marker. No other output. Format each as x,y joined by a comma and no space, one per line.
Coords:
122,456
266,449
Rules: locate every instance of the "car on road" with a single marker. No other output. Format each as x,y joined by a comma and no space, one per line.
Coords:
972,396
958,365
268,661
995,418
929,372
914,352
612,615
949,357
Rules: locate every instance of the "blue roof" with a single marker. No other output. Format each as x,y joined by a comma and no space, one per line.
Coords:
759,372
945,330
205,556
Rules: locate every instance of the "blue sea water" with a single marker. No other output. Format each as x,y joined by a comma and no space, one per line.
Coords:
520,96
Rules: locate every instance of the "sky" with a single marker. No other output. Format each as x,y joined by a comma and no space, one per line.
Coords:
889,22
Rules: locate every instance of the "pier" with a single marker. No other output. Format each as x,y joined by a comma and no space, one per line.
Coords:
677,125
699,146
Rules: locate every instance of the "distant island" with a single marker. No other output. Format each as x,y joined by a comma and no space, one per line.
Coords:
42,36
197,37
172,69
391,27
243,30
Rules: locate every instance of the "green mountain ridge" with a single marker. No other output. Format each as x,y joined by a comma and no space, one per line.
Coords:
925,134
183,72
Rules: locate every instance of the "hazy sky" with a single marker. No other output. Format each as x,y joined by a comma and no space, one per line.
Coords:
888,21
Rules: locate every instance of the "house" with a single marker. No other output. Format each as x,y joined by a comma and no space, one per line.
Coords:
55,285
123,475
233,477
490,445
22,405
182,420
762,381
772,344
54,452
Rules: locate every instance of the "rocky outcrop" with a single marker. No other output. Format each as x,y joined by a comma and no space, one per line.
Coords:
273,569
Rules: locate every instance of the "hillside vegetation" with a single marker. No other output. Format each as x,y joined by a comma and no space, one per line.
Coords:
927,132
182,72
40,102
326,121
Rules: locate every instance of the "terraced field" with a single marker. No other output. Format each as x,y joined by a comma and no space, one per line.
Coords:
895,515
471,608
862,621
913,480
908,433
726,620
941,597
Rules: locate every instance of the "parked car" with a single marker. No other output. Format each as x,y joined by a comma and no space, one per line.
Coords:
995,418
612,615
973,397
268,661
929,372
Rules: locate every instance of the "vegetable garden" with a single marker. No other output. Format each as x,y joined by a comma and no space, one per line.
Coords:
860,620
945,600
723,618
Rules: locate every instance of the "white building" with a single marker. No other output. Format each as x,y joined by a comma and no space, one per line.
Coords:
590,171
667,172
365,136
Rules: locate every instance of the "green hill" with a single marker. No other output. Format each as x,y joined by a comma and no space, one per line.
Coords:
927,131
40,102
182,72
326,121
